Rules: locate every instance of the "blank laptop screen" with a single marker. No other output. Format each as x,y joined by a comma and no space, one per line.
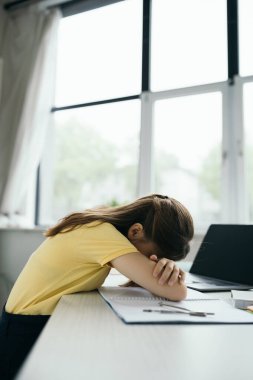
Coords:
226,253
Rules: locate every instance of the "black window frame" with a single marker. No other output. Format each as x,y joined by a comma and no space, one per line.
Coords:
70,8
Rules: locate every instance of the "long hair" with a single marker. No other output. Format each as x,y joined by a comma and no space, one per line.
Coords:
166,222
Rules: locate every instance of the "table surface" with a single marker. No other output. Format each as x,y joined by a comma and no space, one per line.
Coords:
84,339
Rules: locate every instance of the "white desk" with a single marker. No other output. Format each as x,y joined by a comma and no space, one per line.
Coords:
84,339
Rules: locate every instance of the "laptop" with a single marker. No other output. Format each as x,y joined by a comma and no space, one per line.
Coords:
224,260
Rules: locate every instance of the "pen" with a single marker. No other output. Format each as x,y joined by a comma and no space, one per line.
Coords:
192,313
183,308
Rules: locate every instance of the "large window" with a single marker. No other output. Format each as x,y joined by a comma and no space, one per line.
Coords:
248,118
94,157
187,140
94,148
99,54
188,48
245,40
153,96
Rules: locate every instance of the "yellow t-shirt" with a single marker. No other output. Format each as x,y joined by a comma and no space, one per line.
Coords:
66,263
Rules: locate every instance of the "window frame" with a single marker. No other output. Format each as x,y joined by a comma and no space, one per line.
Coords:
234,202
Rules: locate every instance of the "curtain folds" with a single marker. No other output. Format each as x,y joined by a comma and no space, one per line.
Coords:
29,57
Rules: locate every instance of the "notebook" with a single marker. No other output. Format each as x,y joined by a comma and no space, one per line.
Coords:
224,260
242,299
137,305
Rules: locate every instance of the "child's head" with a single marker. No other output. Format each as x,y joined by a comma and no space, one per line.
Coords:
165,221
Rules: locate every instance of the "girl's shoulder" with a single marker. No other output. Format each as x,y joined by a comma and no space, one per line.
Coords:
100,226
100,231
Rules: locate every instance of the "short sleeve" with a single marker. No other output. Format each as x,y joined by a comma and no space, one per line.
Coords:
101,243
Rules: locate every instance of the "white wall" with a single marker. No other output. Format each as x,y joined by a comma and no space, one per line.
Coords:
16,246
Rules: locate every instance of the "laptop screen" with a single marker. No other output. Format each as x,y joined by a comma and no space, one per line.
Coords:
226,253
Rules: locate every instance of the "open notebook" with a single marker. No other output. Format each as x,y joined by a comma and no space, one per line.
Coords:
137,305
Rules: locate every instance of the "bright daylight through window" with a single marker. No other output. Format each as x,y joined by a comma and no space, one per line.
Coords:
188,152
105,118
95,149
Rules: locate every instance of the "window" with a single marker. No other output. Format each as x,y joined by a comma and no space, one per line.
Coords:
187,140
94,157
248,117
245,33
189,43
93,150
153,96
99,55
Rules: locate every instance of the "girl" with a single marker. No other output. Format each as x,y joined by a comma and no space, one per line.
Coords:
141,240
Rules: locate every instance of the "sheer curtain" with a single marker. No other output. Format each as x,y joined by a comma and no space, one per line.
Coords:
29,56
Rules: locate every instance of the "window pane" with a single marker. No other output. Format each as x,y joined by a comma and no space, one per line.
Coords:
99,54
245,36
248,120
95,155
189,43
188,133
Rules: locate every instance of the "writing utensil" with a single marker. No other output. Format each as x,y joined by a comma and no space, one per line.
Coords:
183,308
204,299
192,313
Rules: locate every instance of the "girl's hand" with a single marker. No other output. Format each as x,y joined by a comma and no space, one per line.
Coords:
167,271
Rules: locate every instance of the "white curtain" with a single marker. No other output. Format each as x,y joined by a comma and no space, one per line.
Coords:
29,57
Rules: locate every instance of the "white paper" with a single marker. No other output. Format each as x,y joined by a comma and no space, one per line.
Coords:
242,295
129,303
242,299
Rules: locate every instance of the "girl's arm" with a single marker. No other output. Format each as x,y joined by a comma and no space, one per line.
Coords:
139,269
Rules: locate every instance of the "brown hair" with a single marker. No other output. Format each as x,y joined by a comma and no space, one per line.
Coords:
166,222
